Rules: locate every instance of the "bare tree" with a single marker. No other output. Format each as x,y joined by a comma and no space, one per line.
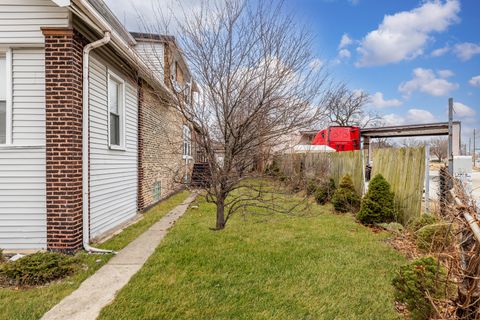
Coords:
252,64
382,143
345,107
411,142
439,148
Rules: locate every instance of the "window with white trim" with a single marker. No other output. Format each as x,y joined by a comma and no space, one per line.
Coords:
187,142
3,99
116,110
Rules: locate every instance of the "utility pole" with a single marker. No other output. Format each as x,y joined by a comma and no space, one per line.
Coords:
450,137
474,151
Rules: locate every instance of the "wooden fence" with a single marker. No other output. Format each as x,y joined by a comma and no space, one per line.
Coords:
328,165
404,169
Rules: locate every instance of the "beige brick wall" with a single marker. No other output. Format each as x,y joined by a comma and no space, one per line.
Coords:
161,154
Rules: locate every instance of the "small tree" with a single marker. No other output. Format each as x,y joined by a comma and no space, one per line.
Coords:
345,198
252,63
346,107
377,205
439,148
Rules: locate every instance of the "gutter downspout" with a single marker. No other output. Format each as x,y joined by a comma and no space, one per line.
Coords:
85,142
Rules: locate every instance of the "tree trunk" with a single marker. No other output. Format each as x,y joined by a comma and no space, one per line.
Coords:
220,213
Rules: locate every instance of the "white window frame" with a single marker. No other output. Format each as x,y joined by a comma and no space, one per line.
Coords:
186,139
122,99
7,52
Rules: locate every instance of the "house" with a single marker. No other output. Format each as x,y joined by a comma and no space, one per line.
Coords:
89,137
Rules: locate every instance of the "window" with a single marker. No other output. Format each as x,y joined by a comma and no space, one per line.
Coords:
187,142
157,191
116,110
3,99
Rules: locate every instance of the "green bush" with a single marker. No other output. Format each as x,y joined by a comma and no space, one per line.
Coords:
345,198
325,191
416,281
2,258
422,221
434,237
377,205
37,269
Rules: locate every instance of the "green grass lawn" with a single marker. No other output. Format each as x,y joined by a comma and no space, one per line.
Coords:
33,303
314,266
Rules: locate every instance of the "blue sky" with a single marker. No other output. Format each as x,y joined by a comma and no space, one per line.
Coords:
409,55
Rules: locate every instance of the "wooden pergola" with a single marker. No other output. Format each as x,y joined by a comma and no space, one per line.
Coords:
413,130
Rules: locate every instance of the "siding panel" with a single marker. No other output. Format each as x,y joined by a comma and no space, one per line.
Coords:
113,173
28,79
22,198
21,20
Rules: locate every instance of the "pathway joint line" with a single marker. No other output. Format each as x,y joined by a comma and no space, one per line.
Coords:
86,302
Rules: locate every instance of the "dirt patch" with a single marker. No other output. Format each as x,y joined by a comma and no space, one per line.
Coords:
405,244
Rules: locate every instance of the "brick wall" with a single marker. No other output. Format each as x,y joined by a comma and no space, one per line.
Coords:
63,93
161,148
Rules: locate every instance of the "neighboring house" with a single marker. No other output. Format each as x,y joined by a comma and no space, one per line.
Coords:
88,135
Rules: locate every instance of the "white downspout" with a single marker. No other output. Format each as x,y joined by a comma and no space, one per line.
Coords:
85,145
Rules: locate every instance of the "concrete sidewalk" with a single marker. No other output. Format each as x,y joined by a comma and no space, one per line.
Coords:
100,289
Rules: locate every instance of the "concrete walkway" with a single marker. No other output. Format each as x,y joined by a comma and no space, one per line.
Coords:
100,289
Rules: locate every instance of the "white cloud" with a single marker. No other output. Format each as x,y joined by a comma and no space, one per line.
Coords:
377,100
440,51
420,116
345,41
404,35
316,64
475,81
413,116
424,80
393,119
445,73
465,51
344,54
463,111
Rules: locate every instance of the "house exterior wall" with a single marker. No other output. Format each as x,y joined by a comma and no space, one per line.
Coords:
28,98
22,198
23,208
162,151
113,173
21,20
153,54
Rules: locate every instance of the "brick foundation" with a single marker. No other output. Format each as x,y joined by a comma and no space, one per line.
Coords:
63,93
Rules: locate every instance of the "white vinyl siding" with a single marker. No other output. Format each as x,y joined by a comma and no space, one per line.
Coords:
23,164
21,20
113,173
152,54
22,198
28,80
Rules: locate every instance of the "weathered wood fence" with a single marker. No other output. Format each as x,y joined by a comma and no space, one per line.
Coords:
325,165
403,168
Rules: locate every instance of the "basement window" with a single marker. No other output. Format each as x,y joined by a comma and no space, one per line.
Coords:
187,142
116,111
157,191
